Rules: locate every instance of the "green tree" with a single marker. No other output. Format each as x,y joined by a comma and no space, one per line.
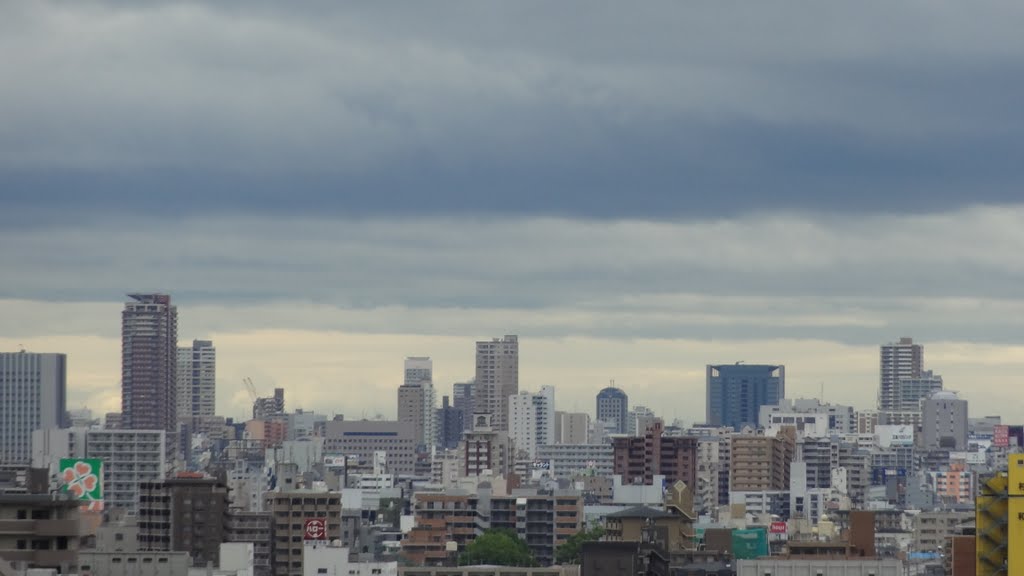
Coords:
390,510
569,553
500,547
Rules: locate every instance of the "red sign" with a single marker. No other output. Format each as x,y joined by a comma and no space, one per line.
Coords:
316,529
778,528
1001,436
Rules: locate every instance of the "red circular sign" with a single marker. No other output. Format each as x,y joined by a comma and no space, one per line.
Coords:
315,529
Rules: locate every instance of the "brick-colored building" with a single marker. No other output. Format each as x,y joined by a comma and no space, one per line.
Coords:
440,518
543,520
638,459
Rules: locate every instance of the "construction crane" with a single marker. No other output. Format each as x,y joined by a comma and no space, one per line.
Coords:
251,388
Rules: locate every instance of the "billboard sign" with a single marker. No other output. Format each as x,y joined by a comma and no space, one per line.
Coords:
1001,436
315,529
881,474
894,435
778,528
334,461
83,477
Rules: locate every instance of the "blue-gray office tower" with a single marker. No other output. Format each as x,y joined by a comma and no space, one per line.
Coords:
736,392
613,409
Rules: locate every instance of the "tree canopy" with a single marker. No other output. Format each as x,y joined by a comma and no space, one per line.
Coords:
500,547
569,553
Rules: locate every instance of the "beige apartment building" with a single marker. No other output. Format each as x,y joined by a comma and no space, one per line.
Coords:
761,463
289,512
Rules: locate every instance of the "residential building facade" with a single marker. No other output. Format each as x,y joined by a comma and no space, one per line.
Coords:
497,378
532,420
149,363
638,459
197,385
900,360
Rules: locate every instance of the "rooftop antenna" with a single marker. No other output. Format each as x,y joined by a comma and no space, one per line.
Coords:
821,396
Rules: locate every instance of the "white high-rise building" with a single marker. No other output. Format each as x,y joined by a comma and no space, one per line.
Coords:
416,399
532,420
33,395
197,384
497,378
897,361
129,457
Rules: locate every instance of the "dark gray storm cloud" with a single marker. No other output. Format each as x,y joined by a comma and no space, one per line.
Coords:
580,109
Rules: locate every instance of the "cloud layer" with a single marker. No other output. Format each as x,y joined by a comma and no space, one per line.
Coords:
668,110
636,190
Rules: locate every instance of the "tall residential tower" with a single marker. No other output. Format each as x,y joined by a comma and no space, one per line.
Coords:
197,384
897,361
497,378
149,362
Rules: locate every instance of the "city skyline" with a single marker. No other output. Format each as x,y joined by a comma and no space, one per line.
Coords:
580,393
410,289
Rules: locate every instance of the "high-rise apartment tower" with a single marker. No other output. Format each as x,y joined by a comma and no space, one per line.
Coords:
149,363
897,361
497,378
197,383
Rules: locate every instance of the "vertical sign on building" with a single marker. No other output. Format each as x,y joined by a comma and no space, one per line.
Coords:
1001,436
83,477
315,529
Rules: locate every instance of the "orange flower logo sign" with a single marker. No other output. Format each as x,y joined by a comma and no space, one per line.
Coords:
82,477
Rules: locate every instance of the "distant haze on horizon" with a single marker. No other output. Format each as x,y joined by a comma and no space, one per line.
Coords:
636,191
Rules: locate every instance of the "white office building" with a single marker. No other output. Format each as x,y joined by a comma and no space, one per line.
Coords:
33,395
568,460
818,417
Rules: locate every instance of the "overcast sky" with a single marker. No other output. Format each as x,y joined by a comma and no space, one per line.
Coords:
636,191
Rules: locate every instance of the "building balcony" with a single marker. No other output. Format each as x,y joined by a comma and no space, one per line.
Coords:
70,528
